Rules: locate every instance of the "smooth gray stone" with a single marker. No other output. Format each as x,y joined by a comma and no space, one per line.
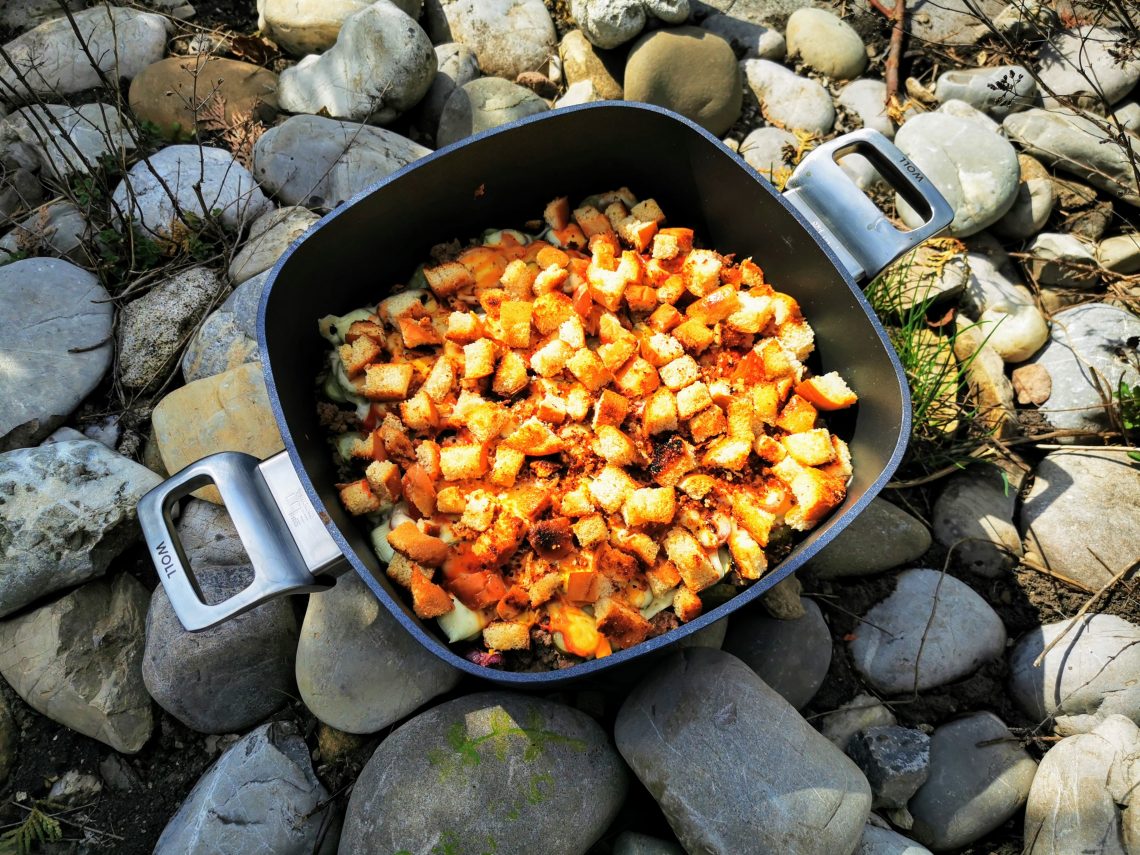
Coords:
882,537
769,13
974,514
226,678
208,536
979,777
456,65
733,766
765,150
1062,261
228,336
25,14
51,310
1071,57
270,235
790,656
997,90
56,229
1034,204
1120,254
826,42
508,36
883,841
1007,315
949,22
866,98
319,162
358,670
77,661
750,40
66,511
303,27
899,647
896,761
261,796
67,140
483,104
857,714
1081,798
493,771
1084,339
794,102
631,843
1087,676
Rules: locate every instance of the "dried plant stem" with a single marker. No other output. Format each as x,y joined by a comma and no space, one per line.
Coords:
897,16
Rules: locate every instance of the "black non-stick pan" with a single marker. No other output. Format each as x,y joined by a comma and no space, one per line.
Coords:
814,242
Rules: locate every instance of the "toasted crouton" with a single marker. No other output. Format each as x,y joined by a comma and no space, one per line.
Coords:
551,409
670,243
578,402
697,486
840,467
576,502
485,420
383,478
701,272
690,560
694,335
441,379
692,399
768,449
518,278
592,221
747,511
427,456
664,318
611,409
369,328
551,358
662,577
660,413
588,367
637,543
515,318
797,416
740,420
747,554
463,462
550,310
452,500
636,232
616,564
359,354
615,212
508,462
661,348
571,332
727,453
810,448
429,599
671,289
636,378
648,209
358,498
708,423
641,298
511,376
478,359
504,635
817,493
557,213
394,437
611,488
407,538
479,511
765,400
615,354
463,327
534,438
715,306
687,604
551,256
590,531
680,372
798,337
620,623
420,412
672,460
649,505
827,392
549,279
613,446
401,568
448,278
752,316
387,382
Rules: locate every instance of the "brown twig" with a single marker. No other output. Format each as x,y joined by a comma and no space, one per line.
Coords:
1048,571
897,16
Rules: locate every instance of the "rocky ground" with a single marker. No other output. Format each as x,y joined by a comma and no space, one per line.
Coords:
956,672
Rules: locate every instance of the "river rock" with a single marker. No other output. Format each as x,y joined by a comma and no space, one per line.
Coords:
976,169
319,162
1007,316
260,796
194,174
953,22
54,61
896,761
766,150
56,229
581,92
631,843
883,841
25,14
581,61
1034,203
1080,64
226,678
882,537
226,412
54,345
690,71
991,392
1087,676
492,770
979,504
859,713
208,536
1082,794
21,189
979,777
791,656
962,634
303,27
358,670
1120,254
77,661
997,90
228,336
749,40
484,104
154,328
68,140
963,110
866,98
826,42
700,724
787,100
68,509
508,36
609,23
456,65
1083,339
270,235
1076,145
934,274
1062,261
381,66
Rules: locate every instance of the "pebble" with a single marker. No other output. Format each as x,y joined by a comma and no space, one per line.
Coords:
381,66
21,189
208,536
173,94
866,98
948,21
990,389
1083,339
76,661
226,412
75,788
358,670
226,678
976,169
610,23
826,42
68,140
301,27
56,229
1062,261
320,163
54,345
154,327
581,92
508,36
261,796
1128,114
25,14
690,71
790,656
484,104
581,61
733,766
228,336
883,841
1076,145
964,111
1120,254
9,737
766,151
194,174
1032,384
1007,316
494,770
1034,202
882,537
53,61
68,511
996,90
788,100
749,40
979,777
1071,57
1089,675
270,235
932,274
900,647
896,761
979,504
631,843
456,65
1081,797
859,713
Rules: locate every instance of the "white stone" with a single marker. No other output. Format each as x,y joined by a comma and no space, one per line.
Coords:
883,841
1120,254
857,714
996,90
1079,64
974,515
1062,260
302,27
1007,315
750,40
794,102
1034,203
963,110
456,65
826,42
484,104
68,139
765,150
580,92
381,66
867,99
508,36
270,235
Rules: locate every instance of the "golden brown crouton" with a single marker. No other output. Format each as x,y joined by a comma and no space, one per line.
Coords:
680,372
840,467
383,478
661,348
518,278
707,423
648,209
687,605
620,623
660,413
419,489
727,453
589,369
407,539
740,420
769,449
576,502
479,512
697,486
765,399
557,213
701,272
671,461
549,279
752,316
817,493
692,399
636,378
615,354
797,416
429,599
515,318
485,420
452,500
401,568
611,409
613,446
504,635
690,560
590,531
387,382
359,354
441,379
752,517
478,359
827,392
672,242
747,554
358,498
649,505
592,221
810,448
419,412
694,335
534,438
572,332
671,289
508,462
637,543
551,409
511,376
551,358
641,298
550,310
578,403
448,278
394,437
663,577
427,456
715,306
665,318
611,488
463,462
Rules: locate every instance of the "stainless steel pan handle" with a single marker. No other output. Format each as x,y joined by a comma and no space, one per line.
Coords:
287,544
855,229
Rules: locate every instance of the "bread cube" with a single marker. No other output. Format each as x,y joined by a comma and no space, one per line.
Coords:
840,467
636,378
515,315
429,599
492,299
662,577
557,213
611,487
616,212
589,369
478,359
551,409
578,402
727,453
747,554
811,448
590,531
648,209
419,412
463,462
621,623
592,221
534,438
665,318
672,242
358,498
407,539
641,298
692,399
752,316
636,232
550,310
359,354
797,416
740,420
506,635
694,335
508,462
383,478
549,279
827,392
440,380
387,382
672,460
649,505
617,353
798,337
611,409
576,502
817,493
448,278
690,559
769,449
765,400
671,289
452,500
697,486
369,328
754,519
394,437
660,413
551,539
427,456
401,569
518,278
511,376
614,447
661,348
571,332
680,372
551,358
636,542
708,423
715,306
463,327
701,272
